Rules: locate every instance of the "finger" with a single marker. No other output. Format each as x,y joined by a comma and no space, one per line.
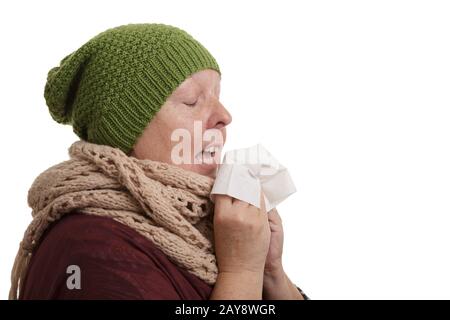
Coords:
239,203
274,216
222,200
262,206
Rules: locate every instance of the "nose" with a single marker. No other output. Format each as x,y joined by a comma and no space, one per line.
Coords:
220,116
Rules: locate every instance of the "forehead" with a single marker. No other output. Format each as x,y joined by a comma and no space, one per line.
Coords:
204,79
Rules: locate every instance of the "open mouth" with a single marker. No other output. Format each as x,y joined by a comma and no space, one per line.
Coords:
208,154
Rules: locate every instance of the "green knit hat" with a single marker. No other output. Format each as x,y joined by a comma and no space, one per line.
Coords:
112,86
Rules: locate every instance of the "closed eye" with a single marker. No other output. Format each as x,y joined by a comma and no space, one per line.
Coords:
191,104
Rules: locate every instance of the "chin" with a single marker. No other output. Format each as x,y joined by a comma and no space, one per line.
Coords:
209,170
212,174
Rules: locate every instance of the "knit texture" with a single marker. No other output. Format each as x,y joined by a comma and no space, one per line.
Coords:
112,86
167,204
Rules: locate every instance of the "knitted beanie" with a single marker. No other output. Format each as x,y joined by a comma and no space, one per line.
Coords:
112,86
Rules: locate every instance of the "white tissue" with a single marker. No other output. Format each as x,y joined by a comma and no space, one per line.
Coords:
244,173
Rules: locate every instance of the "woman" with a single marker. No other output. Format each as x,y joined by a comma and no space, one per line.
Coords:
121,219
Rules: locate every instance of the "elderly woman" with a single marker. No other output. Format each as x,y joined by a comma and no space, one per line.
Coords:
121,219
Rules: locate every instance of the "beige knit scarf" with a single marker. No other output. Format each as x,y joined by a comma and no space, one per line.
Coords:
166,204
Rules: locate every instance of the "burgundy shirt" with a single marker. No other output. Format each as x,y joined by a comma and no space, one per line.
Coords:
114,260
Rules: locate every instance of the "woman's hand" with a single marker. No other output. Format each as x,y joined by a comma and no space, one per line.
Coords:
274,255
276,284
241,237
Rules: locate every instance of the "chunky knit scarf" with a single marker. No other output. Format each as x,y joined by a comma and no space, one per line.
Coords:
167,204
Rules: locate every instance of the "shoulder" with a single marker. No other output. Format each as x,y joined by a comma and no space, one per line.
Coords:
115,261
99,237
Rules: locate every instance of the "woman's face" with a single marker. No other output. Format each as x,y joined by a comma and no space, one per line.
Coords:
190,121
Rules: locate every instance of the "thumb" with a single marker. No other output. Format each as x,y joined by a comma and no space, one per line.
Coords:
262,206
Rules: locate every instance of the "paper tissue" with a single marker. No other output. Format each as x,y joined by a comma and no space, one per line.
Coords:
244,173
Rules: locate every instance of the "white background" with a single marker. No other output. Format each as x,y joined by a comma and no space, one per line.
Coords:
351,96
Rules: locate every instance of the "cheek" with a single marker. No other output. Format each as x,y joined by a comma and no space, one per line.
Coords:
186,126
156,143
184,121
174,131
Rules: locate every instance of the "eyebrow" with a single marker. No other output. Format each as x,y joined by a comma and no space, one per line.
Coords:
190,86
186,85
